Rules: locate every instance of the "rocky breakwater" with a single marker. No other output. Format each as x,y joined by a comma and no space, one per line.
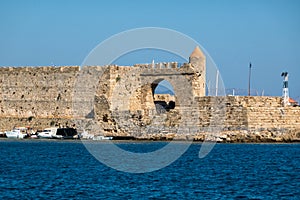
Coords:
241,136
245,136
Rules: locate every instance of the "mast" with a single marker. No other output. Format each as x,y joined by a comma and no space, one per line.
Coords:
217,82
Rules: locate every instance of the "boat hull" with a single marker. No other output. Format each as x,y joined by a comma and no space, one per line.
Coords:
14,135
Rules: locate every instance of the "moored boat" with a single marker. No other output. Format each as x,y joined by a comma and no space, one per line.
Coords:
2,134
17,133
58,133
47,133
101,137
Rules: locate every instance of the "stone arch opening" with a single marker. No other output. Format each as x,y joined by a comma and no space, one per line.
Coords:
163,95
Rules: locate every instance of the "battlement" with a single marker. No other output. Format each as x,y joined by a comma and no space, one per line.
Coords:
38,69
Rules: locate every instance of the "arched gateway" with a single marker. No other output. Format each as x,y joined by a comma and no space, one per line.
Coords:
125,103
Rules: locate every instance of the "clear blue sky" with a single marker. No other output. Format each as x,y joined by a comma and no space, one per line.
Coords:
234,32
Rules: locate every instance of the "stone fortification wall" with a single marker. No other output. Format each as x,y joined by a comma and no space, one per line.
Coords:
44,96
124,99
119,101
36,96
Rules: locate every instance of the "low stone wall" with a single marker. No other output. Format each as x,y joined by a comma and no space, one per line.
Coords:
239,119
164,97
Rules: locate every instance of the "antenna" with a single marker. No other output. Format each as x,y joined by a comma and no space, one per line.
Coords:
285,88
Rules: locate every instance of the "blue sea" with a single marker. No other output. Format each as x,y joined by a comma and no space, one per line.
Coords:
40,169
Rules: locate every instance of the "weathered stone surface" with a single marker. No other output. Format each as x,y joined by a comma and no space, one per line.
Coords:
119,101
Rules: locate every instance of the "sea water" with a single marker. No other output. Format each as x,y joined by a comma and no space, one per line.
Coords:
34,169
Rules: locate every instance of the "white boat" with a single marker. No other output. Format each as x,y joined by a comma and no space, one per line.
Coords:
101,137
85,135
17,133
58,133
47,133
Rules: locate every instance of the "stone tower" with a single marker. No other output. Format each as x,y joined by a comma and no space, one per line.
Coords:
198,63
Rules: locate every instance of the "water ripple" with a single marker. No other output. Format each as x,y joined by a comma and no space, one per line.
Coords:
65,170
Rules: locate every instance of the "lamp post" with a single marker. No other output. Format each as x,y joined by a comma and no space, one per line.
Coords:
249,82
285,88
